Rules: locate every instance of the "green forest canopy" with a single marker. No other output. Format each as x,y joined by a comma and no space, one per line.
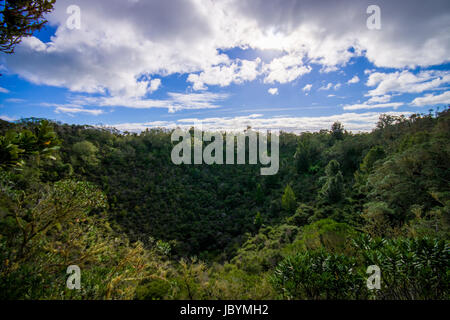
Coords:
141,227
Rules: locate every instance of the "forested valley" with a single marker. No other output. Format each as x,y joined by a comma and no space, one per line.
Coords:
141,227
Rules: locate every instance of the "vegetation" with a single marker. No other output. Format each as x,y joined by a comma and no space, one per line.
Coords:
21,18
141,227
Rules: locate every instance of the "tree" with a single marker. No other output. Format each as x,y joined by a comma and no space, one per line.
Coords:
258,220
191,279
21,18
374,154
367,165
377,216
44,232
17,147
306,153
85,152
410,178
259,194
301,216
333,189
337,131
288,201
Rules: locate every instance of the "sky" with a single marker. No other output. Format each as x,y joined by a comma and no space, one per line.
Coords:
281,64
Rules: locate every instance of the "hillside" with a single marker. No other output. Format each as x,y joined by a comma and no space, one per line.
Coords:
115,204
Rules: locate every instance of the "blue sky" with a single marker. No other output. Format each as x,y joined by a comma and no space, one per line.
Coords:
230,64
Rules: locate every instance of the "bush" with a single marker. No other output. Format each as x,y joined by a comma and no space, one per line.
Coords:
318,275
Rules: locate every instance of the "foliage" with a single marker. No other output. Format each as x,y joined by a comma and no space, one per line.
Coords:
333,188
114,204
21,18
288,201
16,147
409,270
414,268
318,275
337,131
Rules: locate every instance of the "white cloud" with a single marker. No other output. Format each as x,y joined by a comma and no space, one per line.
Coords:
355,79
352,121
15,100
223,75
154,85
6,118
431,99
379,99
120,41
3,90
327,87
285,69
174,102
192,101
411,34
394,105
307,88
273,91
406,82
401,82
72,110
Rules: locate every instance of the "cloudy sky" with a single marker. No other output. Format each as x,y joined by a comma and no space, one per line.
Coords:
278,64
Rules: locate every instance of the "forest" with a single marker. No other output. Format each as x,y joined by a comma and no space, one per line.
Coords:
141,227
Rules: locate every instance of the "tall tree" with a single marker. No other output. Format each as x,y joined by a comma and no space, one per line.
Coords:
288,201
337,131
21,18
333,189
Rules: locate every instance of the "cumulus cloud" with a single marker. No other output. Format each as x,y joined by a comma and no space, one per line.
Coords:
125,48
406,82
223,75
117,44
154,85
326,87
431,99
273,91
402,82
379,99
285,69
119,41
412,33
355,79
